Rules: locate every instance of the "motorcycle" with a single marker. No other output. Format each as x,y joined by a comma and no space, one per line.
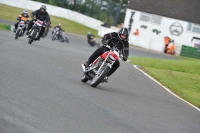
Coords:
59,35
98,70
55,34
20,29
35,30
63,37
94,42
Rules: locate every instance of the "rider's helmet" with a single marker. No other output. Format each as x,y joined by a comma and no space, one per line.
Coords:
89,33
43,8
59,24
123,34
25,13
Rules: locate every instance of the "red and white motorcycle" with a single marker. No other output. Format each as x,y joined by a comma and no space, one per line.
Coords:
98,70
35,30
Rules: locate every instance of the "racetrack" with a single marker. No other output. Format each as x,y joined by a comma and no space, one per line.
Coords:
41,92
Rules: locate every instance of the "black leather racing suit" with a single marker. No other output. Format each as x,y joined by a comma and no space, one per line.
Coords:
43,16
121,45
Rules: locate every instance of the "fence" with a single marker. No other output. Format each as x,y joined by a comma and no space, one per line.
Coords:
190,52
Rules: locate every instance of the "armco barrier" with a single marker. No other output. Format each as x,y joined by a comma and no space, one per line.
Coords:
56,11
190,52
10,27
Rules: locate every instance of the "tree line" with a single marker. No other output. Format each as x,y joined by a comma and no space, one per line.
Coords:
109,11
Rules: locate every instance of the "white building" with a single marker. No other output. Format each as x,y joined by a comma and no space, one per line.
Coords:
156,19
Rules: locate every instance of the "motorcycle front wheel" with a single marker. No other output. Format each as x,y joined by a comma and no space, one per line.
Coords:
33,36
54,37
17,33
98,78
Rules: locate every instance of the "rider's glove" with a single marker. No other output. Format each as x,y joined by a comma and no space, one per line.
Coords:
124,58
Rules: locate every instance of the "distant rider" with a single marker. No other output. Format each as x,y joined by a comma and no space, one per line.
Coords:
90,37
59,27
42,15
25,17
121,42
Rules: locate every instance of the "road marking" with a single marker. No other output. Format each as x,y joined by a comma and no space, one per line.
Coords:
135,66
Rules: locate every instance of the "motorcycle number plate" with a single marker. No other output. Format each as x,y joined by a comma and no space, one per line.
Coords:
39,23
22,22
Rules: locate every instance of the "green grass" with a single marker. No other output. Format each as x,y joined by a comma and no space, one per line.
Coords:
181,76
3,27
11,13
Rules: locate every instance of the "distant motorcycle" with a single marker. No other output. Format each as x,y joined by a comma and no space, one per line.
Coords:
93,42
20,29
35,30
59,35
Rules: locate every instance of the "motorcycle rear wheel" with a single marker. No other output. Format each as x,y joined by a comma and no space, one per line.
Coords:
100,77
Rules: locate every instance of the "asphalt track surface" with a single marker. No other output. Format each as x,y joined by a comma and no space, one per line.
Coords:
41,92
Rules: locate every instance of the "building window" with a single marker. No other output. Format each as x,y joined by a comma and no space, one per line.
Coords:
193,27
151,18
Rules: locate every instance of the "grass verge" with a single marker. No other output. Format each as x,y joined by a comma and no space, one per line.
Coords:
11,13
4,27
180,76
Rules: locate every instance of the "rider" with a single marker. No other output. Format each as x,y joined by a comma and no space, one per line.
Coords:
89,37
60,29
42,15
121,43
25,17
58,26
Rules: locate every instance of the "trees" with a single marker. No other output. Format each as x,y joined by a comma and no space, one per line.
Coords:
108,11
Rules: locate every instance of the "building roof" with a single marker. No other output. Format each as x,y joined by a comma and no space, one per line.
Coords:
188,10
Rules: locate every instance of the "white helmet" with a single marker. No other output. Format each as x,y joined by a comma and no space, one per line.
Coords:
25,13
59,24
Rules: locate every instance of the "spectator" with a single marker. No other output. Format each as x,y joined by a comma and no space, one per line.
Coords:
171,49
137,33
167,42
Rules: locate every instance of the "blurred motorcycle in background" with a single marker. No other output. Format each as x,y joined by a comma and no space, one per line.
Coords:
20,29
60,35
